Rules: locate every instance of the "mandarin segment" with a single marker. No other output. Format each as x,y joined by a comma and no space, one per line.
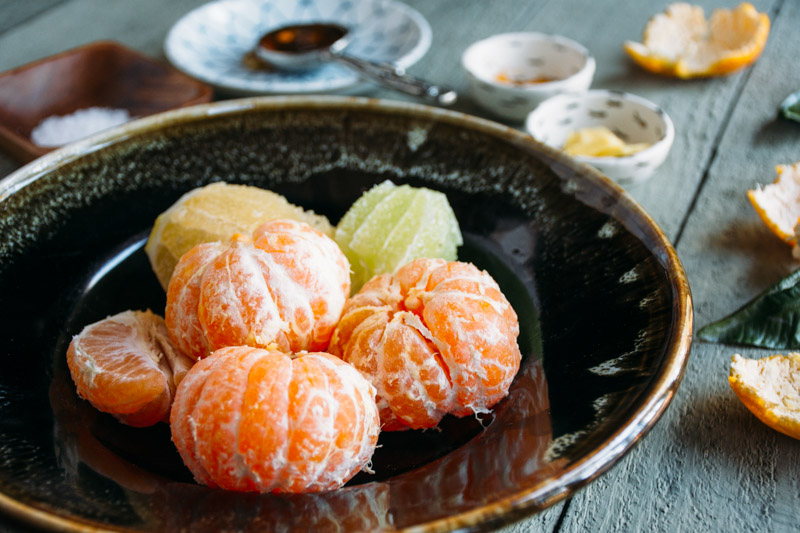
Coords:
236,305
183,297
308,263
183,426
125,365
250,419
414,379
283,288
437,337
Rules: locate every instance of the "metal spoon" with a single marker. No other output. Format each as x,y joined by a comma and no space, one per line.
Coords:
303,46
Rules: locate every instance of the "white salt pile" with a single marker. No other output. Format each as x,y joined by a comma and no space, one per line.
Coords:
58,130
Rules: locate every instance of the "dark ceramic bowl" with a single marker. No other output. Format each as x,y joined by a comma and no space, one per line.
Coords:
604,306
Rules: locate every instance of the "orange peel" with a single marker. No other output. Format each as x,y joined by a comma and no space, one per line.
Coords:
680,42
770,388
778,204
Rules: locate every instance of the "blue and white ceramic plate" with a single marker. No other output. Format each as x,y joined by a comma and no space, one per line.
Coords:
213,43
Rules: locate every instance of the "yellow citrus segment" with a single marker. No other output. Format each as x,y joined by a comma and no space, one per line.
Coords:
778,204
680,41
215,213
770,389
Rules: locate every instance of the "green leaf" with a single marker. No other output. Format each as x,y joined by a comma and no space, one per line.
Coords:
790,108
770,320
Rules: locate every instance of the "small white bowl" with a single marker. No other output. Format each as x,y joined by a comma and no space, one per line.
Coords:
630,117
520,57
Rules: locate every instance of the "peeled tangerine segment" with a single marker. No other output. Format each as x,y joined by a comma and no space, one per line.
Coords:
249,419
390,225
778,204
681,42
125,365
770,389
215,213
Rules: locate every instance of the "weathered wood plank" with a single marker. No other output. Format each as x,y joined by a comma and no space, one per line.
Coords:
15,12
709,465
141,25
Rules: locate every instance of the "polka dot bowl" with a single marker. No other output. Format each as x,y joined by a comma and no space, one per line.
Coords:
632,118
511,73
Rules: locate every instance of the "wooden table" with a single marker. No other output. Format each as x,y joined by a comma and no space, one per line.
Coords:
708,465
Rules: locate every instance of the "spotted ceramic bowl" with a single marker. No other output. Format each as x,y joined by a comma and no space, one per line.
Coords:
214,43
604,309
632,118
511,73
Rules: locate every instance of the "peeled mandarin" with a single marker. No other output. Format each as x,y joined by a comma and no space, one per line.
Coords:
249,419
390,225
283,288
125,365
436,337
215,213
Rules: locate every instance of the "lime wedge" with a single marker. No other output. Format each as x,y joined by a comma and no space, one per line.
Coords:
391,225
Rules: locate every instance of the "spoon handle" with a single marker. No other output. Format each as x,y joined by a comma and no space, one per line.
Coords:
396,78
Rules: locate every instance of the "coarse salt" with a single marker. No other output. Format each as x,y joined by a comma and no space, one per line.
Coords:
59,130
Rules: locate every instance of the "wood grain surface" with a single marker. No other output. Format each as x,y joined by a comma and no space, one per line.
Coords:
708,465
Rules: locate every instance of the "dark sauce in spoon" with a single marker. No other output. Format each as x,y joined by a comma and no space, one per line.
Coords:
302,38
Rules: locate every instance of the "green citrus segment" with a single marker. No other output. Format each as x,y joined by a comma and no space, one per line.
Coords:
360,209
215,213
368,240
390,225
